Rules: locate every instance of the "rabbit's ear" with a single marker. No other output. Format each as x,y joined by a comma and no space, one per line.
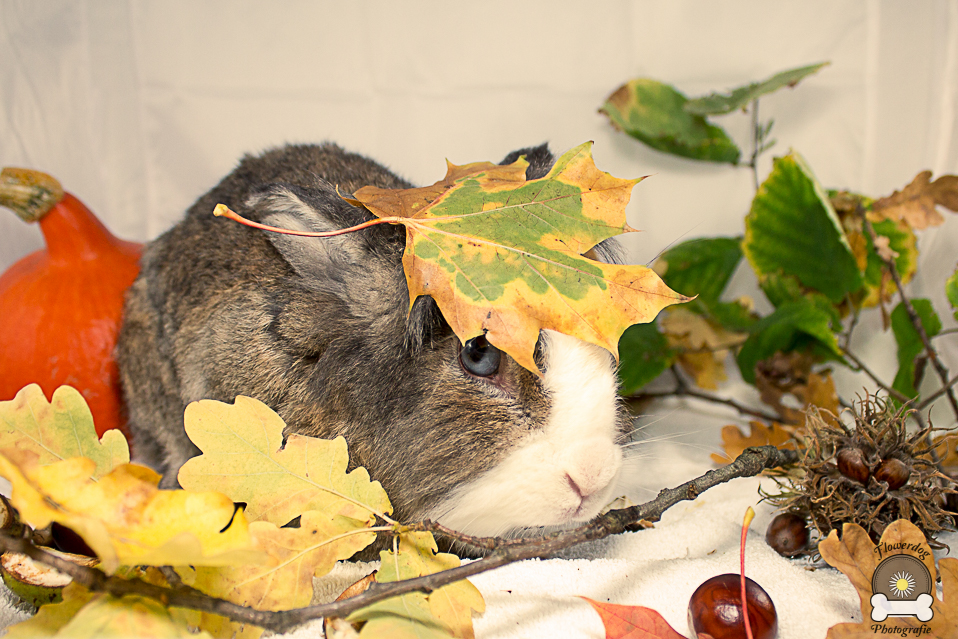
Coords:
292,208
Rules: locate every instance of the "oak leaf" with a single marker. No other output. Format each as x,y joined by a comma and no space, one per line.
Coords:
504,257
244,457
35,431
632,622
702,345
916,203
285,580
734,440
857,557
445,612
125,518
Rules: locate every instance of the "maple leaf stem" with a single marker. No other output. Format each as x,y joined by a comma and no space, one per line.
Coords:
940,369
751,462
222,210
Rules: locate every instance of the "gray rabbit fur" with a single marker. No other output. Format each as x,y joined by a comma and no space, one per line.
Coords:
321,331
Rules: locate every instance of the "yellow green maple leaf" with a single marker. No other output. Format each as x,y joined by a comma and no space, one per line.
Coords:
446,612
505,257
33,430
126,519
244,457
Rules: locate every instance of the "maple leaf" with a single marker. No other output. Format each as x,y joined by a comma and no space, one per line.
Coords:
278,483
858,558
35,431
633,622
125,518
504,257
445,612
916,203
735,441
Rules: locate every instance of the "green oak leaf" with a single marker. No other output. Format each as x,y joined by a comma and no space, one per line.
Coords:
792,229
56,430
909,342
719,103
654,113
505,257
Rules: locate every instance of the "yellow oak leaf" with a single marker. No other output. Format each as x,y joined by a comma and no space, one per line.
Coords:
445,612
858,558
702,345
504,258
126,519
33,430
285,580
734,441
244,457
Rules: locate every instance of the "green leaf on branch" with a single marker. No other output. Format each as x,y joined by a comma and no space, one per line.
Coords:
719,103
951,290
796,325
909,342
700,267
897,242
654,113
644,355
793,230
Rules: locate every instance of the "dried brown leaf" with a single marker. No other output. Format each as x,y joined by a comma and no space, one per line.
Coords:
734,441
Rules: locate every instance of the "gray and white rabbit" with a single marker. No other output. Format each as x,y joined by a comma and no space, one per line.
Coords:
320,330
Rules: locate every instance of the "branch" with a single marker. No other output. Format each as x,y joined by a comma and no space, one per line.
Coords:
913,316
885,387
682,389
750,463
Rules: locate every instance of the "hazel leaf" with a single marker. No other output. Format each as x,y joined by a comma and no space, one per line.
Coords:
915,205
719,103
909,342
654,113
644,355
126,519
951,291
701,267
47,432
244,457
505,258
793,230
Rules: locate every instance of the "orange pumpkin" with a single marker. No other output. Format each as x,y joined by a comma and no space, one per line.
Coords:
60,307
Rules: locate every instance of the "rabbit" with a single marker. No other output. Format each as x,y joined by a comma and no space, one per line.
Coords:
321,330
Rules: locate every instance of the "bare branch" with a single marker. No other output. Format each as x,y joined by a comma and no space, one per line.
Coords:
915,319
750,463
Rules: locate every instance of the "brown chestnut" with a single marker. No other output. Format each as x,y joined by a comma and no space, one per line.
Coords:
787,534
715,609
893,472
851,463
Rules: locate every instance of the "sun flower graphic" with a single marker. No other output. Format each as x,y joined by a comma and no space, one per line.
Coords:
902,584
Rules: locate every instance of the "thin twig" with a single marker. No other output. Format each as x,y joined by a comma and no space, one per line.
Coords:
683,389
750,463
904,399
925,403
914,317
755,143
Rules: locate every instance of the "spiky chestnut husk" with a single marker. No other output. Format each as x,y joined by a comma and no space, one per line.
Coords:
828,498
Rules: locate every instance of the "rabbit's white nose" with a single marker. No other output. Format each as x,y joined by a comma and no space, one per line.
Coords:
591,467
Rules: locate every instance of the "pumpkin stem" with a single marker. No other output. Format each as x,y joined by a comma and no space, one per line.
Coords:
30,194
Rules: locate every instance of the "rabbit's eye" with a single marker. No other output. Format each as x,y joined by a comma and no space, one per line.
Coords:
479,357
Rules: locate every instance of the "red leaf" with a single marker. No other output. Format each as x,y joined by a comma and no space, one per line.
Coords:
633,622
